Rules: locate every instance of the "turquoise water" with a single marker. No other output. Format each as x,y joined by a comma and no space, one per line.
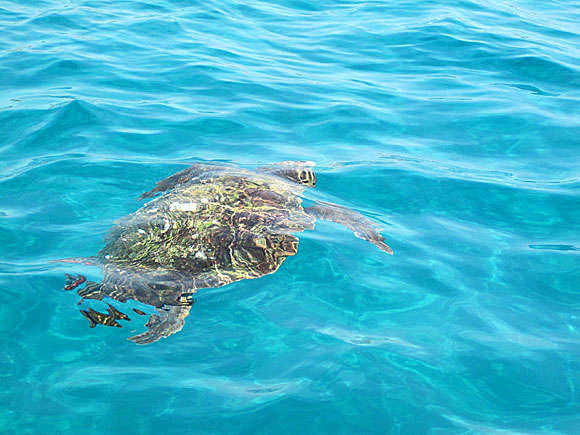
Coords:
455,125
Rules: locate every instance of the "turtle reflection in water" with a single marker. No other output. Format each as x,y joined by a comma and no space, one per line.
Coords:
212,225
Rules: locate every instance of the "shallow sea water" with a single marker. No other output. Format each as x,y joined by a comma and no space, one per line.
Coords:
454,125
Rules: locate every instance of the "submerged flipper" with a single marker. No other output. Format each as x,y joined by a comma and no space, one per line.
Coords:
167,321
361,226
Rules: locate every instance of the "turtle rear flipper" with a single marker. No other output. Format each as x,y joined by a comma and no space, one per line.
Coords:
361,226
167,321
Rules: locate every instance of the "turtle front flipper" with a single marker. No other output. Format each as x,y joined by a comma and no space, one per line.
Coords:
361,226
178,178
167,321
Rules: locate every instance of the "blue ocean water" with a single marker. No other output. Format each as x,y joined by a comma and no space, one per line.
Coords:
454,125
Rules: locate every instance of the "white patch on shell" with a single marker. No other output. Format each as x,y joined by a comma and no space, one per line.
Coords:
201,254
183,206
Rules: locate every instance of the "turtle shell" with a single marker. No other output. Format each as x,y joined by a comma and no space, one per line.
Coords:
219,227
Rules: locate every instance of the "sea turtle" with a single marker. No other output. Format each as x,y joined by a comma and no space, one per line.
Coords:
211,226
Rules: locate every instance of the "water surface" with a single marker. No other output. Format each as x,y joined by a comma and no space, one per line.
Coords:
455,125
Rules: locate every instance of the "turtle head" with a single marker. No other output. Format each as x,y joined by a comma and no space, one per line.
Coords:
298,172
